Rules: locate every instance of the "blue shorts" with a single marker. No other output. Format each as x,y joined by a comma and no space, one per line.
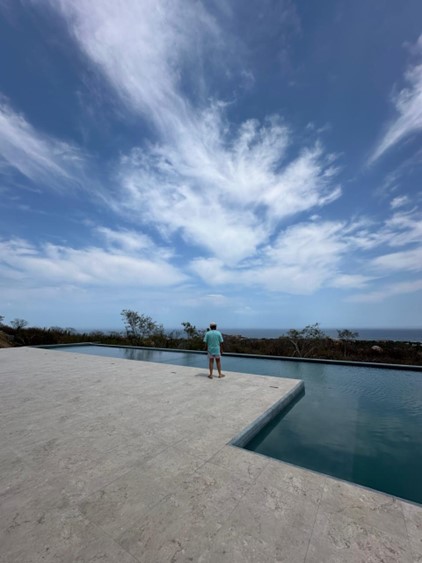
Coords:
212,356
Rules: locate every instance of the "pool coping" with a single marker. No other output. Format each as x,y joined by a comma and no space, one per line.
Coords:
377,365
250,431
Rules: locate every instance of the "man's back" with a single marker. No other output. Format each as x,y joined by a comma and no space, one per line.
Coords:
213,339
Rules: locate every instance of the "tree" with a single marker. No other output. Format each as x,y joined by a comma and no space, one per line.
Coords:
304,341
346,336
1,319
191,330
130,319
57,329
18,324
140,326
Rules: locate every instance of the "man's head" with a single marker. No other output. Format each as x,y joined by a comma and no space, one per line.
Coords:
213,326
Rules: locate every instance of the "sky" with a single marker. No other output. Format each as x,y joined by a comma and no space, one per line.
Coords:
257,164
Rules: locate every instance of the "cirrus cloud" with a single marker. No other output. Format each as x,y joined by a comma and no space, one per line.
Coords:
408,105
224,187
37,156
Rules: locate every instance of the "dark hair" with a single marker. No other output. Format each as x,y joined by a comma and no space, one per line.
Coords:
213,326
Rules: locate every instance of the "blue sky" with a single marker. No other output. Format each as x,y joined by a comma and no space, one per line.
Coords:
254,163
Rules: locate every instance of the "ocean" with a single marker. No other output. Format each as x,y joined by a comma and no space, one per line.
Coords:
401,334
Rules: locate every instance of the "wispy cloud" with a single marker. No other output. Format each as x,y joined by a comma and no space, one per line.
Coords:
37,156
144,50
126,240
400,288
49,264
409,168
227,201
310,256
404,228
399,201
224,188
228,189
400,229
406,260
302,260
351,281
408,105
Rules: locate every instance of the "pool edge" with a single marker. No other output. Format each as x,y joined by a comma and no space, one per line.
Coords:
376,365
245,435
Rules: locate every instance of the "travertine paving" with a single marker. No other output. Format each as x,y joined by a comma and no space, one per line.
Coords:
121,461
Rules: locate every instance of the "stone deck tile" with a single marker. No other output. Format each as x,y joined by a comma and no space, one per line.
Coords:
124,461
413,519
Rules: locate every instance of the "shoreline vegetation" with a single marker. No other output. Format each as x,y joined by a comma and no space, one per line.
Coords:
141,330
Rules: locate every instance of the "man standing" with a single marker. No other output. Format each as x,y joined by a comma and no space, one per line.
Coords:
213,339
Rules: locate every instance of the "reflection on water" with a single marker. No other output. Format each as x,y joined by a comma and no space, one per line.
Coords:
147,355
356,423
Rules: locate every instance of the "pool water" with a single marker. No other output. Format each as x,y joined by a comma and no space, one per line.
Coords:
359,424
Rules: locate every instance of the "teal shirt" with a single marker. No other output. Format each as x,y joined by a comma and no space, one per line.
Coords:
213,339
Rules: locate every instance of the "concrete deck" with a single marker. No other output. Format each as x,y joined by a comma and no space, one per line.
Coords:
122,461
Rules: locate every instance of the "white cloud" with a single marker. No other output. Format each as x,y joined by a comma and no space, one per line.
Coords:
129,241
408,105
351,281
38,157
133,243
50,264
140,47
216,299
310,256
225,191
229,190
404,228
224,188
194,299
407,170
303,259
401,229
212,271
407,260
399,201
400,288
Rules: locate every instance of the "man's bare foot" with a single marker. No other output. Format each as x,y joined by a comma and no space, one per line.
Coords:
210,377
221,375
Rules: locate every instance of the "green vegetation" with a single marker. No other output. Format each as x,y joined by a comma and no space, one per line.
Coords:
346,336
18,324
305,341
142,330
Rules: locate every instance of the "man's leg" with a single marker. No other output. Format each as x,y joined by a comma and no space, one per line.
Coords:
218,360
211,366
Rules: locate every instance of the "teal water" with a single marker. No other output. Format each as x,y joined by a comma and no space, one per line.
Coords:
359,424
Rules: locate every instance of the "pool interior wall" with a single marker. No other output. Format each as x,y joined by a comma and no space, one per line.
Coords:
359,424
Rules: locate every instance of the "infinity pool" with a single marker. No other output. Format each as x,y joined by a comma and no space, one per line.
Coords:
359,424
